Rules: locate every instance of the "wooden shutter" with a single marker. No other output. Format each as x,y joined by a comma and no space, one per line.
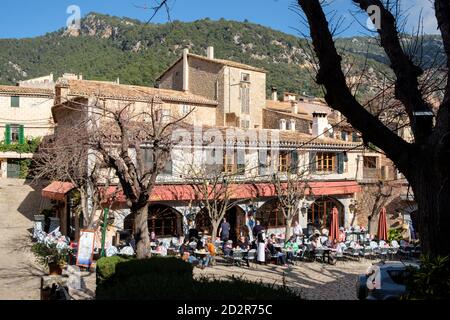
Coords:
340,162
21,135
312,161
294,161
8,134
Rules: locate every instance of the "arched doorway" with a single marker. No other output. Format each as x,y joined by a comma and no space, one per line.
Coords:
163,220
319,214
235,217
271,216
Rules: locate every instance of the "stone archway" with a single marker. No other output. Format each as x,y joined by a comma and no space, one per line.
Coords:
164,220
319,213
235,217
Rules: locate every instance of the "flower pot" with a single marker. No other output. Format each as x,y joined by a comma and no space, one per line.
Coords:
55,269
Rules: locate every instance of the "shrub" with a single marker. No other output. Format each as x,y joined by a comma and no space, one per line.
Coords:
157,278
240,288
431,281
106,267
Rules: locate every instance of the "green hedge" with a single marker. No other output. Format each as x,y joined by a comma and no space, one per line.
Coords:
121,278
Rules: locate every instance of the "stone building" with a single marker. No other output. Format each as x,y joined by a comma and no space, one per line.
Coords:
25,113
311,139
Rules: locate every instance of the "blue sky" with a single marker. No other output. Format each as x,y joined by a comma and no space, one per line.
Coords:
30,18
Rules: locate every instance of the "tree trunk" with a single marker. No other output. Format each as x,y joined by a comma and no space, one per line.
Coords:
141,235
215,227
432,194
288,231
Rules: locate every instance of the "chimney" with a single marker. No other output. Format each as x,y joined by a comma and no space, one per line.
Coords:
294,107
320,123
210,52
282,124
274,94
185,70
292,126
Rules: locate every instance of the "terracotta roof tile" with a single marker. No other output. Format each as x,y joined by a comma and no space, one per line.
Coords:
138,93
26,91
228,63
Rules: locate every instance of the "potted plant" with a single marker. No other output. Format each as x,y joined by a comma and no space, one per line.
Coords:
52,255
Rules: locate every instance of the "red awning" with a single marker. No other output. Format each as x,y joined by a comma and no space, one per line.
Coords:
57,190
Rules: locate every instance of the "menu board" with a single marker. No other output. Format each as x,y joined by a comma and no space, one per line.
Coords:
86,248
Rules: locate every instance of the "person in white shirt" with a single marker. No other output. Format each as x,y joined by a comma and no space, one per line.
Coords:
298,231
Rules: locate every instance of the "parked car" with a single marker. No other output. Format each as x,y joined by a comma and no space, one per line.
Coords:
384,281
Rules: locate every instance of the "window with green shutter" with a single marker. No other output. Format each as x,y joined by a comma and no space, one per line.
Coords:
21,135
8,134
15,102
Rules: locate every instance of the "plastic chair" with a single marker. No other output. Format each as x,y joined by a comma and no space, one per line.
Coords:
237,257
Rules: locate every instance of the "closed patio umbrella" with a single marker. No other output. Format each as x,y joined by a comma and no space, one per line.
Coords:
382,225
334,229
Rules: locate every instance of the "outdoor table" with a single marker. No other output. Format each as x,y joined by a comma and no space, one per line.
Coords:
201,253
327,252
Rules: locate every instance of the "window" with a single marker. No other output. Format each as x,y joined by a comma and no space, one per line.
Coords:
356,137
344,135
245,77
229,163
185,109
163,115
370,162
245,100
148,162
283,162
15,102
245,124
326,162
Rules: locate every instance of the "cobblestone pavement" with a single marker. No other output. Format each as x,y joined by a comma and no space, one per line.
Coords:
314,280
19,274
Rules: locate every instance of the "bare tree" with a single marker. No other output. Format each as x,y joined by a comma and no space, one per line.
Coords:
290,189
64,157
136,144
214,191
424,162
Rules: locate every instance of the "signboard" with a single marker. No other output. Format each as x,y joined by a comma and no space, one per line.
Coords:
86,248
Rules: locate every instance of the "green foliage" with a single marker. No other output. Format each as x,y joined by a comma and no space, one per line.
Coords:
30,146
120,278
395,234
431,281
46,254
138,53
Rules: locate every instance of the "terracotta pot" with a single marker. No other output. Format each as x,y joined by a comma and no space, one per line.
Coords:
55,269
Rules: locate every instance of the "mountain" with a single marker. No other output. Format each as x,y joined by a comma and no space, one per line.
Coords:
110,47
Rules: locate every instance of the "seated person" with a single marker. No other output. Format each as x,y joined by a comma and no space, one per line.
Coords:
315,241
281,257
153,238
243,244
341,237
211,247
187,252
227,248
292,244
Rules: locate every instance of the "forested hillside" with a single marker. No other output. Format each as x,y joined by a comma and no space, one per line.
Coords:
111,47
